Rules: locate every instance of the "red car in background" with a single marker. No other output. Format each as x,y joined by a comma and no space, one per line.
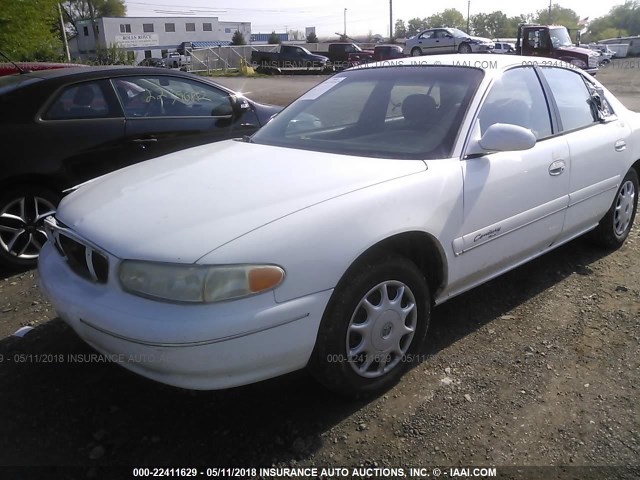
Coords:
9,68
379,53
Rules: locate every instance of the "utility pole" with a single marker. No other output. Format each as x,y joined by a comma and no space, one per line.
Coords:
64,34
468,17
345,22
550,22
390,19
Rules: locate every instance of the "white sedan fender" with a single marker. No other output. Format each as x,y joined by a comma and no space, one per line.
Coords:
351,225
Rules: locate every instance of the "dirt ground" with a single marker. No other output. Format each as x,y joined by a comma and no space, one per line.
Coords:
537,369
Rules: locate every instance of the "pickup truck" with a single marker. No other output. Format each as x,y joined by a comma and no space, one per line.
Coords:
379,53
554,41
339,54
176,60
288,57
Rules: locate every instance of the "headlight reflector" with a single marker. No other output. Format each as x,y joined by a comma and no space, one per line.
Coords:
197,283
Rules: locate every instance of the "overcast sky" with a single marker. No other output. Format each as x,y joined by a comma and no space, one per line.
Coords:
327,15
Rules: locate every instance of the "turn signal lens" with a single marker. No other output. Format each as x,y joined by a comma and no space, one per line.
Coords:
264,278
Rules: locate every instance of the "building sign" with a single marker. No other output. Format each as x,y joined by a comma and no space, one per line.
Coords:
132,40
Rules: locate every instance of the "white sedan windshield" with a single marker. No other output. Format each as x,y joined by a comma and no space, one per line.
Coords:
398,112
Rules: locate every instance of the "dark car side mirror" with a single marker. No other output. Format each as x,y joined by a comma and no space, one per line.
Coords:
224,110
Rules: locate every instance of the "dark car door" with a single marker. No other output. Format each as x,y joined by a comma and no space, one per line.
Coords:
166,113
78,135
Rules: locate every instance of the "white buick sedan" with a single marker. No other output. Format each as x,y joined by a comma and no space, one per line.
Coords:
324,240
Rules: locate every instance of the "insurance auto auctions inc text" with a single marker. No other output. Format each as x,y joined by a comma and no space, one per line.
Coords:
375,472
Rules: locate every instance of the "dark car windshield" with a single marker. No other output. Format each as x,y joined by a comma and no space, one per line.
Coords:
404,112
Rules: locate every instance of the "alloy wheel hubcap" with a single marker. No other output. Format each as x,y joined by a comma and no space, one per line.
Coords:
22,226
381,329
624,208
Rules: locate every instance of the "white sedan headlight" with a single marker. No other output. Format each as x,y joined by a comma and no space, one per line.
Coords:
197,283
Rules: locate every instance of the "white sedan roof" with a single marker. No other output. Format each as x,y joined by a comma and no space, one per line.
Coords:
491,64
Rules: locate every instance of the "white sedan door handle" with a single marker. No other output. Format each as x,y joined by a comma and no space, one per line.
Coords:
620,145
557,168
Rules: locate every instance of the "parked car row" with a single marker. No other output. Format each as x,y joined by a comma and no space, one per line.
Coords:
75,124
325,238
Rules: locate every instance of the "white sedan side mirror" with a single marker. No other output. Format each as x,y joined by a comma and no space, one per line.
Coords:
502,137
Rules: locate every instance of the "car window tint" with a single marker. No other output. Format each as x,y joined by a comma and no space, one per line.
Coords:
571,96
517,98
379,112
164,96
85,100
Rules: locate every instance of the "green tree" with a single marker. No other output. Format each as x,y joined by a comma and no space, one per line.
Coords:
312,38
114,55
28,30
415,26
238,38
613,32
559,16
622,20
512,25
274,39
448,18
492,25
76,10
399,29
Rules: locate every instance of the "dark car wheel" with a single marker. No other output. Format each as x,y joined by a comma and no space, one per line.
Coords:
376,319
22,214
464,48
416,51
615,226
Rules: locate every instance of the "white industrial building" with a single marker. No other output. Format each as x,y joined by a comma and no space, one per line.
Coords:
146,37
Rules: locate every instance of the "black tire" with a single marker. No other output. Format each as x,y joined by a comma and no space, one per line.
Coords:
416,51
331,363
614,228
464,48
19,250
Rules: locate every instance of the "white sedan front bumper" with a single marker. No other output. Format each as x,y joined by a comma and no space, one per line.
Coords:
201,347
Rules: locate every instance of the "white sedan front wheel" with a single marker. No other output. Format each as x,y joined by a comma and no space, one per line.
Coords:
376,319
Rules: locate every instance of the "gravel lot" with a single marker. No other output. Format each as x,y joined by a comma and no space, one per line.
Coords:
537,368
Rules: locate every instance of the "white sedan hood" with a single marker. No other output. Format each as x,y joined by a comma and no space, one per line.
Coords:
181,206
